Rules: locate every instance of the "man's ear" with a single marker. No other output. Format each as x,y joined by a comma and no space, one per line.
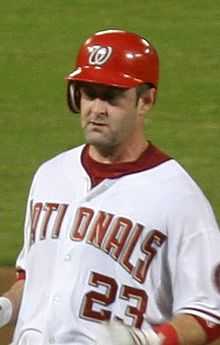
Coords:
146,100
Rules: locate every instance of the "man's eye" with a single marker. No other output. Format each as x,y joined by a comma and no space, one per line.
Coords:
113,99
111,96
90,94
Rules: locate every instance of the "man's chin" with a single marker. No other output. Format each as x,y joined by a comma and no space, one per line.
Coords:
96,138
100,143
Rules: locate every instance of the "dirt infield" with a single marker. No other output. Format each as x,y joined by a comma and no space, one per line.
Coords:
7,277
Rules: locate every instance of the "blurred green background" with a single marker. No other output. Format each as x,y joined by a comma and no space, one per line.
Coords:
38,44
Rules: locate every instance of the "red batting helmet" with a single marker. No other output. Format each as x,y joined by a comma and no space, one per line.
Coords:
114,57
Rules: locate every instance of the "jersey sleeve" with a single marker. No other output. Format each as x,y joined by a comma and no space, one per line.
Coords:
21,261
194,257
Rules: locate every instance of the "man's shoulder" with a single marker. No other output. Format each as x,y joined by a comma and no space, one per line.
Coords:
62,161
174,175
174,181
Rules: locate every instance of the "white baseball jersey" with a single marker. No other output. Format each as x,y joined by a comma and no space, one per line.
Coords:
140,246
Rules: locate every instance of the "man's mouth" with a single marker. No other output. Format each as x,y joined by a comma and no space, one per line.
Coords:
97,123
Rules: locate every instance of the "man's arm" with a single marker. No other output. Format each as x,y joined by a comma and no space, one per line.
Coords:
10,304
182,330
190,331
193,330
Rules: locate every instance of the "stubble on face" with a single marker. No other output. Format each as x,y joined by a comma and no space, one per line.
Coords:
112,123
102,134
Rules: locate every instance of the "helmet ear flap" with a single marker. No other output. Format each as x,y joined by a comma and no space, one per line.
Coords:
73,97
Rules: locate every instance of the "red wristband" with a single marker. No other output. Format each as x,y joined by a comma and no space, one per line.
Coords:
168,334
20,275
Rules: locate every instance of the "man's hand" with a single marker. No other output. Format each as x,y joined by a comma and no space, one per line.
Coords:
5,311
10,303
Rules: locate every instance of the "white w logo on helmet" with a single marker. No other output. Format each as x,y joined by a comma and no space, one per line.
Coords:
99,55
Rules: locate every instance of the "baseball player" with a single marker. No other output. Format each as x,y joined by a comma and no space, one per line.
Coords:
121,247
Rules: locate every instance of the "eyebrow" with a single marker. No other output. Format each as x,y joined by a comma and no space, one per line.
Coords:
105,92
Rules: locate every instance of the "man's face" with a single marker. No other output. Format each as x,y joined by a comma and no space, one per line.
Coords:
109,115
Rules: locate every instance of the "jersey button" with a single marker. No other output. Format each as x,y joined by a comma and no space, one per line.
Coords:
52,340
56,299
67,257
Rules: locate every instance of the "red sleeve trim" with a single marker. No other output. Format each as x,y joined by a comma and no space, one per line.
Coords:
20,275
211,329
167,333
201,311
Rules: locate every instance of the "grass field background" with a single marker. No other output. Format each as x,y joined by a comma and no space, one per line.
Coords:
38,44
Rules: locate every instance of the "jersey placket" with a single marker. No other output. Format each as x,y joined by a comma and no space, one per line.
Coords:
65,278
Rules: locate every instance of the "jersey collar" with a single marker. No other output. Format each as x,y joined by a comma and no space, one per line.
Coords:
97,171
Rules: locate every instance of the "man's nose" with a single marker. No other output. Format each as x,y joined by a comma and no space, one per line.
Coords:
99,106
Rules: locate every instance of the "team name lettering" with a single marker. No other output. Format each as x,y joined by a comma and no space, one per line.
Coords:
117,236
44,213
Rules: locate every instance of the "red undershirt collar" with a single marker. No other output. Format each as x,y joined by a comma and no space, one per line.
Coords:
97,171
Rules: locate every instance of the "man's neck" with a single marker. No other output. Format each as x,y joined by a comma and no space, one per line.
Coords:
117,155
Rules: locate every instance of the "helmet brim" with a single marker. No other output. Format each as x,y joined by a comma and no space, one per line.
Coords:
99,75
